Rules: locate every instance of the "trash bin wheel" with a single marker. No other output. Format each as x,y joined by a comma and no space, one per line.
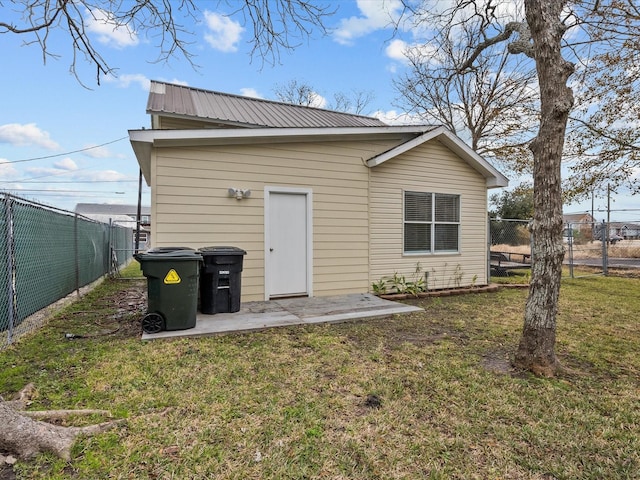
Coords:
152,323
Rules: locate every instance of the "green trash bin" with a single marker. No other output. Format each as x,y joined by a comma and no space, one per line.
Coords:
172,288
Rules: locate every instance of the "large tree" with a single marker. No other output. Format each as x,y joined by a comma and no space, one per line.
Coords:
602,145
556,35
603,141
275,25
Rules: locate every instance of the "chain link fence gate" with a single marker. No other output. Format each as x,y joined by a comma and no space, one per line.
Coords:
585,252
48,253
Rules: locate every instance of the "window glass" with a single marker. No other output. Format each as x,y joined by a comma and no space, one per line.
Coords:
417,207
417,237
431,222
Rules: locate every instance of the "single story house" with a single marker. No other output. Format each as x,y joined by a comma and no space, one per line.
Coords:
323,202
578,226
628,231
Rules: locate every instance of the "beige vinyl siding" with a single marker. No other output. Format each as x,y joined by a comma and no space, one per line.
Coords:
433,168
192,206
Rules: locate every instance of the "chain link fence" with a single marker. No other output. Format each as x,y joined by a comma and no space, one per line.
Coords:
591,248
585,252
46,254
510,249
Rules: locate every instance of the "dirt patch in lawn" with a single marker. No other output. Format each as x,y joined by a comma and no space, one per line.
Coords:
498,361
117,312
131,304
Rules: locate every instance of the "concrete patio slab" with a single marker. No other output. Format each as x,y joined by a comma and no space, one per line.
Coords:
288,312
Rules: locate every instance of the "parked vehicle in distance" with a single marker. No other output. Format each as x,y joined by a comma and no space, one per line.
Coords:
615,239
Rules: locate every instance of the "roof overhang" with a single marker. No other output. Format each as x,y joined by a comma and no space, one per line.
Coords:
409,136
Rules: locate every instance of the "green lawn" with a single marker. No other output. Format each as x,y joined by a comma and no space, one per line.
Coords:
427,395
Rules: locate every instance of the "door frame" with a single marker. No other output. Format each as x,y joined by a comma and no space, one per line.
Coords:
268,190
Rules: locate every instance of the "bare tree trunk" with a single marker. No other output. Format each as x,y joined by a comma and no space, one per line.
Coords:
536,351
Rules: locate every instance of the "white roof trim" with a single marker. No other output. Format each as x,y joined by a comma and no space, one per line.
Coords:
143,141
455,143
156,136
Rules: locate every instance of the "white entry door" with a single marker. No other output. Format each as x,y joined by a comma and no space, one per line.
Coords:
287,242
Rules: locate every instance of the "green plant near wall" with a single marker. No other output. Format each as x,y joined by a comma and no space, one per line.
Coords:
457,276
400,284
379,287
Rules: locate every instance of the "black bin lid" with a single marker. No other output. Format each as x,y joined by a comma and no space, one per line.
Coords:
168,255
222,250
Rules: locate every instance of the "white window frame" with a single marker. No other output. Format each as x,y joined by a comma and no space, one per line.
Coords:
432,223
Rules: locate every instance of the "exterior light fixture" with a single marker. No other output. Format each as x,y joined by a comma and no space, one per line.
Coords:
239,193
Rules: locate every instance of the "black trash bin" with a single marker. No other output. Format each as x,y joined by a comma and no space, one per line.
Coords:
220,279
172,285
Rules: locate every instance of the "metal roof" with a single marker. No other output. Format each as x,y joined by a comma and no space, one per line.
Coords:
234,110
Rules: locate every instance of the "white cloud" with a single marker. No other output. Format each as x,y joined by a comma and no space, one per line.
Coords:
102,175
26,135
109,32
66,171
7,170
392,117
66,164
224,34
94,151
125,80
250,92
175,81
396,50
318,101
375,15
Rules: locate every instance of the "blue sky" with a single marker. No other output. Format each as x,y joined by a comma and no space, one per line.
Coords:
47,113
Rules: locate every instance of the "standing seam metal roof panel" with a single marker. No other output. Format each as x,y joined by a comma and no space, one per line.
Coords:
253,112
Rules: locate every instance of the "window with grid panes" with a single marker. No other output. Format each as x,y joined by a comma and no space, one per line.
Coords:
431,222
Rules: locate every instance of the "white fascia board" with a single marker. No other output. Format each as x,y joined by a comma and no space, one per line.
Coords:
232,135
493,177
405,147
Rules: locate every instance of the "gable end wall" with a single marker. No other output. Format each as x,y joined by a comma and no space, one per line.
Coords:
431,167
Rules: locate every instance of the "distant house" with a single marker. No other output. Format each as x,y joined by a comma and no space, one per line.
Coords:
123,215
626,230
323,202
578,226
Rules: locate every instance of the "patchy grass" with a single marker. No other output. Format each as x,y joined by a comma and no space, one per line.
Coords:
427,395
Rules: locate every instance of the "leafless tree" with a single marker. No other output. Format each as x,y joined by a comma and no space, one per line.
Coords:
357,101
299,92
494,104
560,37
275,24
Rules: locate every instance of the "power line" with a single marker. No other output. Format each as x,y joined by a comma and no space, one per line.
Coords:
59,191
66,153
73,181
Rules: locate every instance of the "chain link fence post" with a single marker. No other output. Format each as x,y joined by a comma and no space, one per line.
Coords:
11,268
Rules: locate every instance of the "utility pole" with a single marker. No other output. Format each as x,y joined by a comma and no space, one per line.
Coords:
608,204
